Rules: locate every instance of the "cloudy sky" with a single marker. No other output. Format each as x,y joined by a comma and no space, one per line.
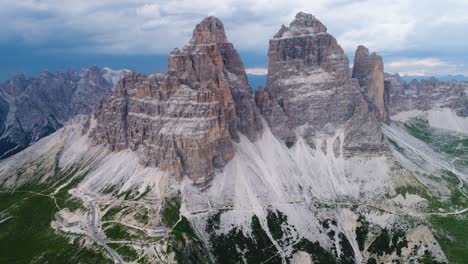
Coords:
415,37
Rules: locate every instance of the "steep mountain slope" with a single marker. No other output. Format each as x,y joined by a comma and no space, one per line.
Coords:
31,108
189,167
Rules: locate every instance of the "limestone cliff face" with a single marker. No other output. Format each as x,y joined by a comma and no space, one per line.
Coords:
369,71
309,90
210,58
185,122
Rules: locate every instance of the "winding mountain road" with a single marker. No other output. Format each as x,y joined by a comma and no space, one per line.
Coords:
98,235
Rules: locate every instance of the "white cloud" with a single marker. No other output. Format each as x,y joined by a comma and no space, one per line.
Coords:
256,71
424,67
158,26
425,62
149,10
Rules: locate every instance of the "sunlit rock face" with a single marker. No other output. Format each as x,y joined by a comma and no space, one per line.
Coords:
185,122
310,92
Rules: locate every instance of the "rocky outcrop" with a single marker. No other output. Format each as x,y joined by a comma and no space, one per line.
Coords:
31,108
369,71
395,86
309,90
426,94
274,114
185,122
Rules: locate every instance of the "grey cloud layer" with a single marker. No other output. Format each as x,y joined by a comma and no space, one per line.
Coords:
143,26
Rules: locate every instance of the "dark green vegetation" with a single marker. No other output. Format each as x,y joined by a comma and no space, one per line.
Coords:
420,129
142,217
450,230
442,141
361,232
110,215
347,252
170,212
389,241
455,201
183,240
28,237
451,144
434,202
279,230
427,258
170,217
451,233
318,253
258,247
116,231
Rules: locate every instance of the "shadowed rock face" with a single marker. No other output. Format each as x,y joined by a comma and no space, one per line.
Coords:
185,122
369,71
31,108
309,90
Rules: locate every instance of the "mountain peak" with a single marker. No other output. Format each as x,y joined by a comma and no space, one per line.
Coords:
303,24
304,20
209,31
362,50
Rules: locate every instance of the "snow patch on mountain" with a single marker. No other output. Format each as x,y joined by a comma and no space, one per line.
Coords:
113,76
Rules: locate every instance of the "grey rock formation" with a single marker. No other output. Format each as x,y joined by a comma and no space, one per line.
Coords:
309,90
369,71
31,108
275,116
185,122
218,60
426,94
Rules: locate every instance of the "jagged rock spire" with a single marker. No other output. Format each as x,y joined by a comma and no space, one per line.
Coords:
309,90
308,21
185,122
369,71
210,30
210,57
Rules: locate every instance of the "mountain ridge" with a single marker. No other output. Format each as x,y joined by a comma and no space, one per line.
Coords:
32,108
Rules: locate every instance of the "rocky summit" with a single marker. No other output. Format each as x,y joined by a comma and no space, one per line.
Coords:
369,71
310,91
185,122
322,165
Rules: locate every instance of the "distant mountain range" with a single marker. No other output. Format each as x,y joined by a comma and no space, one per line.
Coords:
445,78
257,80
34,107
